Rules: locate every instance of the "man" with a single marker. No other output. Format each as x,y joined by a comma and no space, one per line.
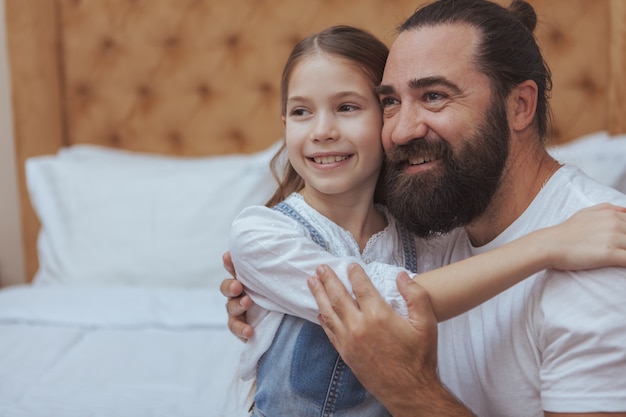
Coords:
464,96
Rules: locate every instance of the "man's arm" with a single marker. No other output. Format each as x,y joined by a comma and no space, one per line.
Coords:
393,357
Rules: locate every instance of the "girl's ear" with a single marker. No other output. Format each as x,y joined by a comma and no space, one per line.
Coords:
283,119
522,105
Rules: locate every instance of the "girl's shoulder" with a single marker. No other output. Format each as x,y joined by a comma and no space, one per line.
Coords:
262,217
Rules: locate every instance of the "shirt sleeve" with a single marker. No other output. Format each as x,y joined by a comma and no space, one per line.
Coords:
580,326
274,257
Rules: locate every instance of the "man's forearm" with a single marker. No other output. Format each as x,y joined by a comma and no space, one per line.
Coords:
433,401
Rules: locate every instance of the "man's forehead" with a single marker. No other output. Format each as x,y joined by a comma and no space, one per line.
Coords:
429,50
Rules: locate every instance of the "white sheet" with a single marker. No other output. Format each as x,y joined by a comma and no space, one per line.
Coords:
116,352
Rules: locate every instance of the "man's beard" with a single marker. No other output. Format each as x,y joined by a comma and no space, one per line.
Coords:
432,203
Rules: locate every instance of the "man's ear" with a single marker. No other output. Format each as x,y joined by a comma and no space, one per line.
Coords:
522,105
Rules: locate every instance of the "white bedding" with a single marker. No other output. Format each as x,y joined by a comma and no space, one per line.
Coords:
116,352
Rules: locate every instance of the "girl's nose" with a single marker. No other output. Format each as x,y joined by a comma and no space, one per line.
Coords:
325,128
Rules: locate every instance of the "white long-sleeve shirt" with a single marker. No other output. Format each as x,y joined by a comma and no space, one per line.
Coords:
274,255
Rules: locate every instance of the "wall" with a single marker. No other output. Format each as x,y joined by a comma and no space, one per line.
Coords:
11,252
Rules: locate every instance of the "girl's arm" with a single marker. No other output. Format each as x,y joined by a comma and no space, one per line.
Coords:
273,259
592,238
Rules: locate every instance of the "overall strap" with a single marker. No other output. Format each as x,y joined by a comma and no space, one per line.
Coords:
289,211
410,253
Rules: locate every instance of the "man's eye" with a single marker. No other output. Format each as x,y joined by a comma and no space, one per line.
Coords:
388,101
434,96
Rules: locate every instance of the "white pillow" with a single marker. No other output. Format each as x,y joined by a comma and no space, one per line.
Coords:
599,155
122,218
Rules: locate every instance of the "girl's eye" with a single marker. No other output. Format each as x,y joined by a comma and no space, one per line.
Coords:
348,107
298,112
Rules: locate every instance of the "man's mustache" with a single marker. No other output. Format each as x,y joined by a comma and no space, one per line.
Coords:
434,148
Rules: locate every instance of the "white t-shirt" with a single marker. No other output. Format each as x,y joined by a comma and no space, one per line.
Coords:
274,255
554,342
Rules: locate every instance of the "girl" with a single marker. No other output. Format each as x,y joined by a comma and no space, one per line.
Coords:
326,211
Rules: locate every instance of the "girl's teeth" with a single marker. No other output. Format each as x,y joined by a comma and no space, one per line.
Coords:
328,159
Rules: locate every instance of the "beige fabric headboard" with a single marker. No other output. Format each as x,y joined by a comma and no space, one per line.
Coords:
200,77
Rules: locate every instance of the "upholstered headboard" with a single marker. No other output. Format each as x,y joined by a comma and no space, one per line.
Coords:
200,77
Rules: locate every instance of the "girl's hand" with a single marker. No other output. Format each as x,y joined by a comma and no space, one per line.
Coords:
594,237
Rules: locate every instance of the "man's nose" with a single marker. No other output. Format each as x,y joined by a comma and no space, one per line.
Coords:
408,124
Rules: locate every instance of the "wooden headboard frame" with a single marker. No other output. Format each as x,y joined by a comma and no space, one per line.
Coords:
201,77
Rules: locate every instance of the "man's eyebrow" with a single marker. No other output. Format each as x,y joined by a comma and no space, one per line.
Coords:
418,83
434,81
384,89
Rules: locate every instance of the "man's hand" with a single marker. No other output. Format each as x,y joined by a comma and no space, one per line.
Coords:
393,357
238,303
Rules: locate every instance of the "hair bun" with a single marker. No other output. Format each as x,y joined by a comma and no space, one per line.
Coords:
525,13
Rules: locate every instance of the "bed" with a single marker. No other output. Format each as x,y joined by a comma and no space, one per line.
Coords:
142,128
123,317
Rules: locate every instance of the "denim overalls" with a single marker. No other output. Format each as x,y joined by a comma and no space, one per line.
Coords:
301,374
